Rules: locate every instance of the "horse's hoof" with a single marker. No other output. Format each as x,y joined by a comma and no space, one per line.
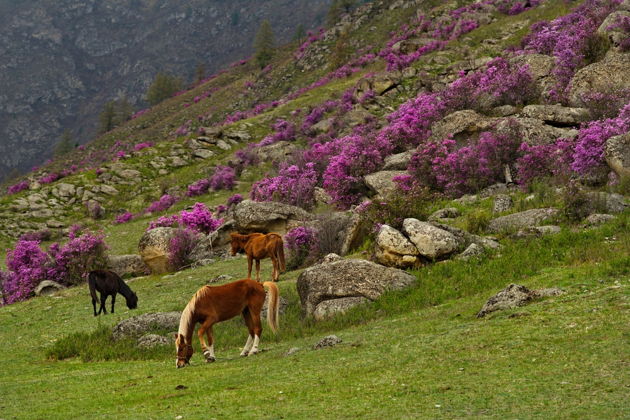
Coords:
251,353
210,359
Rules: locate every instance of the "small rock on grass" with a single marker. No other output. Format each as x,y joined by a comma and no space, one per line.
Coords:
328,341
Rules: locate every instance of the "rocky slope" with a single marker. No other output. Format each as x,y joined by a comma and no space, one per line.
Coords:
62,60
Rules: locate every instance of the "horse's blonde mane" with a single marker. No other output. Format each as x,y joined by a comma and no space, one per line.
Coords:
185,321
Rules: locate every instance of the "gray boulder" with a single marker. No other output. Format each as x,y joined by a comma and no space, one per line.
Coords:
502,202
279,151
541,67
431,241
598,219
514,296
329,308
382,182
524,219
328,341
557,114
48,288
609,75
131,264
140,325
535,131
617,153
345,278
150,341
154,251
461,125
445,213
608,30
397,162
393,249
212,245
599,202
269,216
472,251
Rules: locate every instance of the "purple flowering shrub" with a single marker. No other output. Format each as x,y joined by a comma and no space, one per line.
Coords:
16,188
293,185
199,219
234,200
301,242
199,187
141,146
460,170
123,218
568,39
28,264
545,161
588,157
605,104
224,178
180,246
283,131
359,156
164,203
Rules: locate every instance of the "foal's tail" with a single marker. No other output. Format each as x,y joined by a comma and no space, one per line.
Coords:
92,285
274,305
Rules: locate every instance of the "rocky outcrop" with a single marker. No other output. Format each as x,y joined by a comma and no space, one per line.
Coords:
397,162
557,114
140,325
609,75
351,278
128,265
154,249
382,182
541,68
610,30
47,288
617,154
521,220
431,241
514,296
268,216
393,249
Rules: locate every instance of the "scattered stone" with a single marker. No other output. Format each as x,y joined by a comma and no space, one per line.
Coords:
502,202
149,341
131,264
48,288
202,263
446,213
222,278
432,242
514,296
292,350
521,220
137,326
392,247
598,219
617,153
472,251
343,278
606,202
328,341
382,182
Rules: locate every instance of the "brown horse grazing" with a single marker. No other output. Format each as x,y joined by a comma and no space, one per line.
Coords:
109,283
258,246
220,303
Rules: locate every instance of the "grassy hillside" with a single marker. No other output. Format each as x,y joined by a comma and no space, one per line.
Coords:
417,354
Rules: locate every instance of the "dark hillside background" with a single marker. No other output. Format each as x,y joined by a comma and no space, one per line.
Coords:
62,60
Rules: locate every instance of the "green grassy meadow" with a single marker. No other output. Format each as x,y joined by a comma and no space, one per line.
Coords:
420,353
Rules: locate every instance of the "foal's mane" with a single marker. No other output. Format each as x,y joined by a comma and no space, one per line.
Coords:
186,320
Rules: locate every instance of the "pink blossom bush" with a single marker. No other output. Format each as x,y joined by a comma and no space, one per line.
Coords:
283,131
301,242
544,161
141,146
180,246
199,219
77,257
16,188
588,157
199,187
164,203
293,185
234,200
224,178
123,218
27,265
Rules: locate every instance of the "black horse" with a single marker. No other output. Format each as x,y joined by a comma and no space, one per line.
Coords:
109,283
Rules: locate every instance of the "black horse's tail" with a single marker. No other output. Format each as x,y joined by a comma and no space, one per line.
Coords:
92,285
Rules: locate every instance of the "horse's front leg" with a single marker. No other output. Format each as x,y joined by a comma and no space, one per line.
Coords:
257,270
113,301
94,306
208,350
250,260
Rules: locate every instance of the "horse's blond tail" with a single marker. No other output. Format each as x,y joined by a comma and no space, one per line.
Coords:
273,310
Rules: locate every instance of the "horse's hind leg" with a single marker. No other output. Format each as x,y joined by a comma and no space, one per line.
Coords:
250,260
254,309
208,350
250,328
102,309
113,301
257,270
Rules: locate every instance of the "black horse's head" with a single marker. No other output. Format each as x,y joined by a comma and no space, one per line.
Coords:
132,301
184,351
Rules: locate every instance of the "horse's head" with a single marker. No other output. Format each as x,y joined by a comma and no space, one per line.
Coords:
235,241
132,301
184,351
